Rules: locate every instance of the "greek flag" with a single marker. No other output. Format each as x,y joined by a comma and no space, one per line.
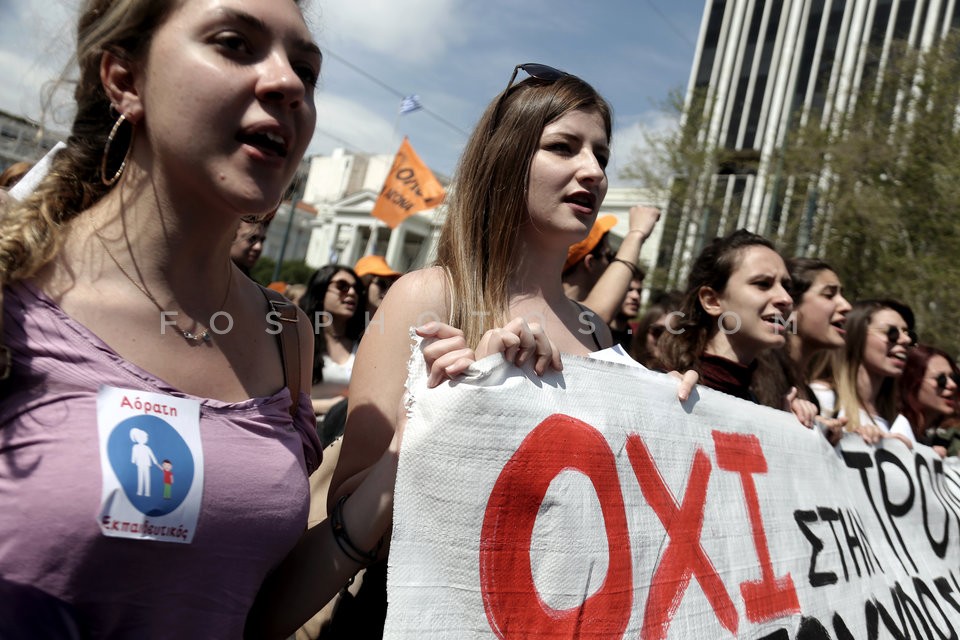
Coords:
410,104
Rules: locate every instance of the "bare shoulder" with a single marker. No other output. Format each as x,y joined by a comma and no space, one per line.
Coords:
429,283
380,372
415,299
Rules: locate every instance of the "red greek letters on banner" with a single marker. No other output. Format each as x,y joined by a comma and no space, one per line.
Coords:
509,595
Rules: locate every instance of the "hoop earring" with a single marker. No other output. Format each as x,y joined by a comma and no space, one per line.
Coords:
106,152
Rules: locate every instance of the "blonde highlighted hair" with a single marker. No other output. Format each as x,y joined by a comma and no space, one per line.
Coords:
30,230
847,365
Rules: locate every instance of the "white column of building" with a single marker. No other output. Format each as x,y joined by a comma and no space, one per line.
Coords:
796,41
353,247
903,99
853,57
948,14
915,24
930,25
864,54
776,103
732,79
721,81
836,69
726,210
395,244
372,240
815,64
743,219
887,42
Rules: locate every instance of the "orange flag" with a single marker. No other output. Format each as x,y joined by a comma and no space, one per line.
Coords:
410,187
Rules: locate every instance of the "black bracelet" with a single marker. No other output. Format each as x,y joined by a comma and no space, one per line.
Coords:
343,540
6,362
634,269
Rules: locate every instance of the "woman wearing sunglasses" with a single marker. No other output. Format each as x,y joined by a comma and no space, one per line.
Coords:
653,323
879,337
928,394
334,303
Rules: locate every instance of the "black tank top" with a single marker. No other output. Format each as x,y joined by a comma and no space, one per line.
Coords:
593,334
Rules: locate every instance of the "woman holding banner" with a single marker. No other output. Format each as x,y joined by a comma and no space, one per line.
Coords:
529,185
734,309
880,335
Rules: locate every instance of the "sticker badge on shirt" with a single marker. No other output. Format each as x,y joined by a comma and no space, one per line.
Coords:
152,465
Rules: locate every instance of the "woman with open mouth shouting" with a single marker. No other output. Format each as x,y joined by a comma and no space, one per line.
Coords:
128,333
816,329
880,334
735,308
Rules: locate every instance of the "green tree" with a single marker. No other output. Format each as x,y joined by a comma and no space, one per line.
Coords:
884,182
875,191
684,168
291,271
262,271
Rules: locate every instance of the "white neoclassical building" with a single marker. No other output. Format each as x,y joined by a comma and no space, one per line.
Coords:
342,189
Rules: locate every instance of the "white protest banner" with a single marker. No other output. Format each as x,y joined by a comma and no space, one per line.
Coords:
591,504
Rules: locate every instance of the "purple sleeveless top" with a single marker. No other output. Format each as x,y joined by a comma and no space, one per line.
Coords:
254,503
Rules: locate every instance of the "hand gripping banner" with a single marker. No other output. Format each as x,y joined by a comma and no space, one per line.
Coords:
591,504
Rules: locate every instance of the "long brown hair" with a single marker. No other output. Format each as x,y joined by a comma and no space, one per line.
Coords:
488,202
776,371
683,347
848,364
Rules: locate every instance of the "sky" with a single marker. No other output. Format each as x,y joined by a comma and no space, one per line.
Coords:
456,55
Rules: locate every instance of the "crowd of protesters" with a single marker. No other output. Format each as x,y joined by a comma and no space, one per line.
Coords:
158,205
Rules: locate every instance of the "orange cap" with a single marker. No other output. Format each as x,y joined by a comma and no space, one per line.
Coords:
374,265
579,251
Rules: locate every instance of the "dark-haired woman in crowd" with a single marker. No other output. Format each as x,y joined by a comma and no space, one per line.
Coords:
735,308
928,394
645,348
820,311
335,303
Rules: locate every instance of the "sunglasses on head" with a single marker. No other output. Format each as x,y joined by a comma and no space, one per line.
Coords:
542,72
538,71
942,380
893,335
342,286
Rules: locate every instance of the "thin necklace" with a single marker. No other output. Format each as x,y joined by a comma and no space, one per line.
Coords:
193,339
